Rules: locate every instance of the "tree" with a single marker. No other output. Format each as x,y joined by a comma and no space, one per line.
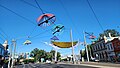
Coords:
38,54
53,54
34,52
48,56
42,54
106,33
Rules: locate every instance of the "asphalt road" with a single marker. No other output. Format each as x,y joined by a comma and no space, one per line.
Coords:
51,66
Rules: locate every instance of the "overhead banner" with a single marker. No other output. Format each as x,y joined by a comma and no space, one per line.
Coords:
64,44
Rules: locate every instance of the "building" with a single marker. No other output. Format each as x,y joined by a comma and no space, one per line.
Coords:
100,50
5,44
116,45
2,50
103,49
110,50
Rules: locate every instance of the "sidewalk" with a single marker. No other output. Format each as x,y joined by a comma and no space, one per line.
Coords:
95,64
101,64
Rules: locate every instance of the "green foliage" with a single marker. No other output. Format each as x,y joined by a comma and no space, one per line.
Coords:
106,33
82,53
34,52
26,61
6,61
38,54
48,56
53,53
21,57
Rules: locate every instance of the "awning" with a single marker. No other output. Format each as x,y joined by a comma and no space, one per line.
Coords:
64,44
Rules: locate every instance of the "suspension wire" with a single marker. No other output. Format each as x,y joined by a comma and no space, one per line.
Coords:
32,5
26,19
17,14
29,4
95,15
42,13
39,7
32,32
21,17
44,36
4,34
2,39
69,16
40,33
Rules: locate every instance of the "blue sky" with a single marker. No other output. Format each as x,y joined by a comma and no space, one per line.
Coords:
73,14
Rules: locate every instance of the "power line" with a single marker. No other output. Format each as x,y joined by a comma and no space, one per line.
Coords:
39,7
33,5
95,15
68,16
40,33
4,34
29,4
3,37
32,31
17,14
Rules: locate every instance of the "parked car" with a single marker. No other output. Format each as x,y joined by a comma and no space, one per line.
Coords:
47,61
94,59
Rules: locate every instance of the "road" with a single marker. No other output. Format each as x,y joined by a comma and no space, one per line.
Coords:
52,66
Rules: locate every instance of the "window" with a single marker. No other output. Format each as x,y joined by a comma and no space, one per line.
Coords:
107,47
101,45
111,46
0,51
95,48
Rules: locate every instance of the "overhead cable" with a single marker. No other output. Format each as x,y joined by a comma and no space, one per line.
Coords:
17,14
95,15
39,7
69,16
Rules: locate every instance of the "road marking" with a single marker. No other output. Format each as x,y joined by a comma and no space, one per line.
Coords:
98,66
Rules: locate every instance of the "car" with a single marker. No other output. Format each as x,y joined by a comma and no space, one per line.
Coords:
47,61
94,59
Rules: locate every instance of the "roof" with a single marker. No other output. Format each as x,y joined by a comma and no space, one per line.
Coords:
1,46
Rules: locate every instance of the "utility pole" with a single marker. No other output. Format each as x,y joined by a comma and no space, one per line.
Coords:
55,54
86,46
13,57
10,56
79,52
73,56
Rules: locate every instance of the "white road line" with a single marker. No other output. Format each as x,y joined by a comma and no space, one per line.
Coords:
98,66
